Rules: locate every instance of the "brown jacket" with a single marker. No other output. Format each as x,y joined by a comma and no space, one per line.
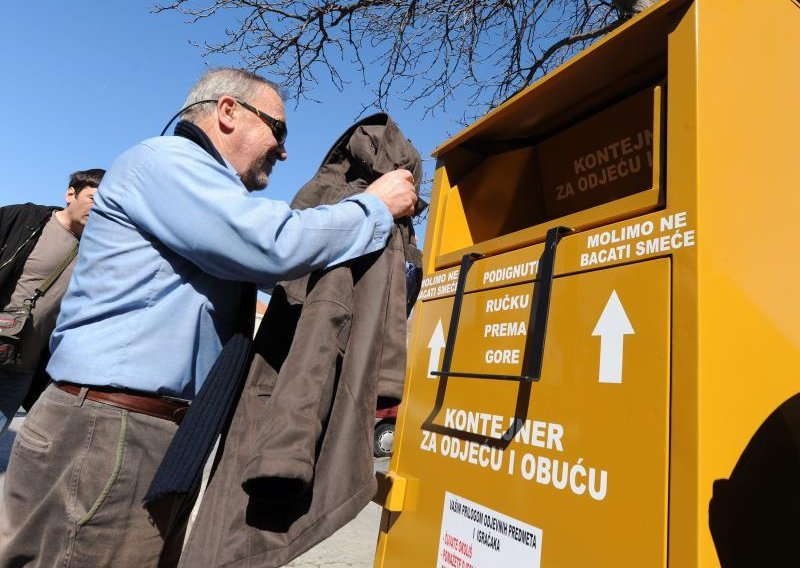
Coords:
297,461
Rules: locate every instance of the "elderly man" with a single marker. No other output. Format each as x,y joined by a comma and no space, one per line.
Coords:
153,297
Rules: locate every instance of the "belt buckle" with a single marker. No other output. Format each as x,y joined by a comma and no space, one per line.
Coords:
179,413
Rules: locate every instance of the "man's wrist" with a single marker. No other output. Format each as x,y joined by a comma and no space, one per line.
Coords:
377,210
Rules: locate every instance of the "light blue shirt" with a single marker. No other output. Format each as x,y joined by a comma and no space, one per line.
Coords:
172,235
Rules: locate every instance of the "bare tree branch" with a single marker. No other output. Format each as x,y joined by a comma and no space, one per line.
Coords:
426,53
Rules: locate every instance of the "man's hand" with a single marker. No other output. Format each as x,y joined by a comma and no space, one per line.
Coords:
396,190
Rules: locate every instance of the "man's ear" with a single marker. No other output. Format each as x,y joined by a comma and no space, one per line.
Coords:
226,111
70,195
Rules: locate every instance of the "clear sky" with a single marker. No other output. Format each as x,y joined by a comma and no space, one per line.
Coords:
84,80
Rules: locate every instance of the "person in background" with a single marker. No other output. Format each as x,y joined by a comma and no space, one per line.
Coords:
153,297
34,240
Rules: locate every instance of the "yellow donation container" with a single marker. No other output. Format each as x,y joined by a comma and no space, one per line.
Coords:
605,358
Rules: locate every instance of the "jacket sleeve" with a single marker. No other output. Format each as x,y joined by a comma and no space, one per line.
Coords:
283,469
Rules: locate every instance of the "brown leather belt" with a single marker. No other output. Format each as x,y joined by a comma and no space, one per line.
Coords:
152,405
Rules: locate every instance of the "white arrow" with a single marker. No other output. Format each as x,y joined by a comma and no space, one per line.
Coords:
436,344
612,326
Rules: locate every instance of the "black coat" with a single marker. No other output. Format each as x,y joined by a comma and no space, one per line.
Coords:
20,229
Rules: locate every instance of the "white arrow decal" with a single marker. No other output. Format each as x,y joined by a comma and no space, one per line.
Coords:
436,344
612,326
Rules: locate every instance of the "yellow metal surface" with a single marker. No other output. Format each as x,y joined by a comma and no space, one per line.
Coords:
501,188
391,491
572,458
748,312
702,263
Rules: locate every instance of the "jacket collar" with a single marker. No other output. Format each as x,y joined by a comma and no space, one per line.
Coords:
194,133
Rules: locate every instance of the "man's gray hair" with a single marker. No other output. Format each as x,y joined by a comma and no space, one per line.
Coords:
237,83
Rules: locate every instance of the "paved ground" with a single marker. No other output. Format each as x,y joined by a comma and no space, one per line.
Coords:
353,546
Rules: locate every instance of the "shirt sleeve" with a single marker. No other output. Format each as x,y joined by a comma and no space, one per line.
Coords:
200,210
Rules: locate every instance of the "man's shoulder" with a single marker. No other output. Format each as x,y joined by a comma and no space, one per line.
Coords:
152,164
19,220
170,143
27,210
162,151
33,207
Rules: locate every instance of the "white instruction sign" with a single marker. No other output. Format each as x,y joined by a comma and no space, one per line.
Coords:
474,536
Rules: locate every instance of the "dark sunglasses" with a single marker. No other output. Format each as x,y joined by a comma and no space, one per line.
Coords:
278,127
